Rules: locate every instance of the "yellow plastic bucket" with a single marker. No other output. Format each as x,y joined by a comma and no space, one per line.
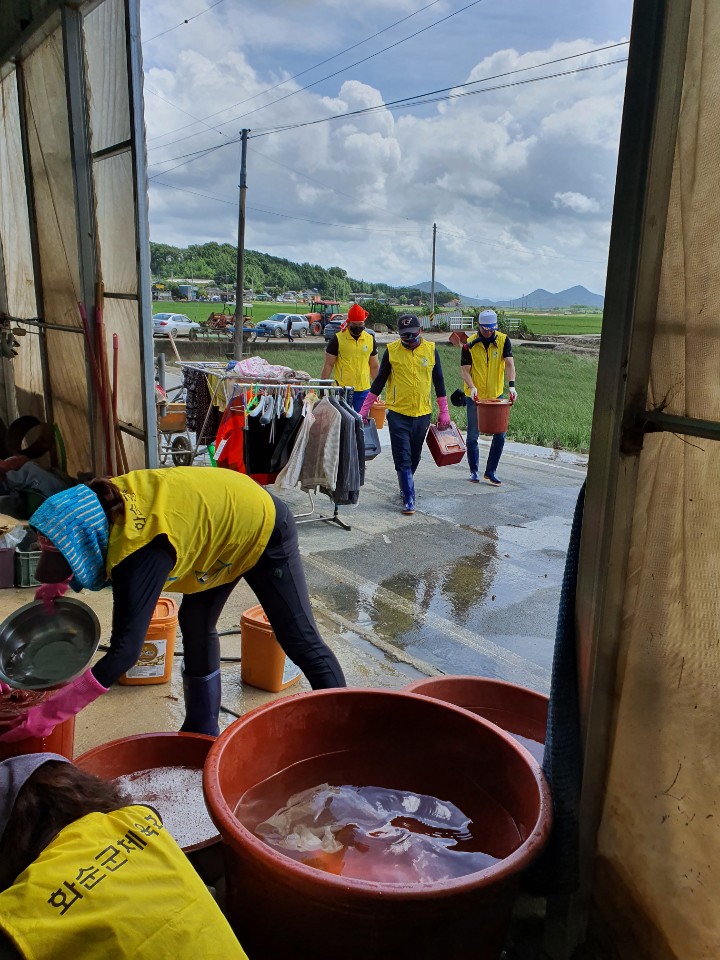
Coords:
155,662
263,662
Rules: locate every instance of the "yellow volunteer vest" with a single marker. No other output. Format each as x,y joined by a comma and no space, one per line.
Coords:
352,366
408,386
488,367
218,521
112,886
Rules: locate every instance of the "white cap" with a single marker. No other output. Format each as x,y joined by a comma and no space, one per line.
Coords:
488,318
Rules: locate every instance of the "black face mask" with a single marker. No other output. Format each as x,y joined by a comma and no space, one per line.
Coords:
356,329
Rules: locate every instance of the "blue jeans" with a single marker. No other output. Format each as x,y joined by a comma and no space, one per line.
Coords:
358,398
496,446
407,435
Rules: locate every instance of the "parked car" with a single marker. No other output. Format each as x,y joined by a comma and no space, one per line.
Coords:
175,325
276,325
333,326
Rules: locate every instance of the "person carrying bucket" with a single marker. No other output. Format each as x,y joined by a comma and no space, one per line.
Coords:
484,361
351,356
190,530
85,872
409,366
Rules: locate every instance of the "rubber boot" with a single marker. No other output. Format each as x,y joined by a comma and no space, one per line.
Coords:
202,703
496,449
473,455
407,488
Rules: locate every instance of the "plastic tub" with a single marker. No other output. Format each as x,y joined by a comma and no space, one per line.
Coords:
147,750
493,415
381,738
519,710
156,657
14,704
378,411
263,662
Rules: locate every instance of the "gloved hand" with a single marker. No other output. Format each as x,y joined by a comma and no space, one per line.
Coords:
49,593
473,394
443,414
513,394
5,687
367,403
41,720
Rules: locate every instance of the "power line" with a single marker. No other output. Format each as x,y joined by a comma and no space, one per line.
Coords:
397,104
183,22
287,216
209,126
406,103
295,76
357,62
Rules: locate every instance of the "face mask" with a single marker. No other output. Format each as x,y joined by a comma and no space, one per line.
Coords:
409,340
356,329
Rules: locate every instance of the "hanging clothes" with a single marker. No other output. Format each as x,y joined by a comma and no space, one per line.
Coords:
229,442
322,454
347,483
198,408
289,428
289,476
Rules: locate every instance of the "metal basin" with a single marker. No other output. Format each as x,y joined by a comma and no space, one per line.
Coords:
41,650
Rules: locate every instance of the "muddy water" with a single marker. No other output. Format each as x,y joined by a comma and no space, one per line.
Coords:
376,833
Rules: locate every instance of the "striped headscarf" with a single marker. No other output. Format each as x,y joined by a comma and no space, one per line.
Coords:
75,523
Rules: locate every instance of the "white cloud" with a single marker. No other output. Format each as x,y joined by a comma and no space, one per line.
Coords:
577,202
482,166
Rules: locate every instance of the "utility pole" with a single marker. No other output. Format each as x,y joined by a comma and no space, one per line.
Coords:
239,311
432,282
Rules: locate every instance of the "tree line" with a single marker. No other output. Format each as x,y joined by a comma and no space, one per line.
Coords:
218,261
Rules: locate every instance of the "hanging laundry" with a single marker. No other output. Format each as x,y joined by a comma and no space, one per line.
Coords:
322,454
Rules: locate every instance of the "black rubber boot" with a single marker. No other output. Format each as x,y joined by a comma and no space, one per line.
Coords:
202,703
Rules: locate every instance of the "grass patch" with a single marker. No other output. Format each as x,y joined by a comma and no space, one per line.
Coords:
556,393
560,324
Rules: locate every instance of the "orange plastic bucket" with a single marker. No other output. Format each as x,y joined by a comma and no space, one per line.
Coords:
156,657
263,662
378,412
493,415
13,706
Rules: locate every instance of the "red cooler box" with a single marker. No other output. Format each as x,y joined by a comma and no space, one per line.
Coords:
446,446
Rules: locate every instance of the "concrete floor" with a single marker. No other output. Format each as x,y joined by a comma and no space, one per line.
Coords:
469,584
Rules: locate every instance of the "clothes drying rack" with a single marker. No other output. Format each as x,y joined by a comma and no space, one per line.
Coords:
224,376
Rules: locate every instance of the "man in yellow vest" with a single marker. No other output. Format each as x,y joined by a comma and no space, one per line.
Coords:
351,355
485,361
190,530
409,367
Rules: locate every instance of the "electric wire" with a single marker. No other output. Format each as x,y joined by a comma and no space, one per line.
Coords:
183,22
301,73
209,126
405,102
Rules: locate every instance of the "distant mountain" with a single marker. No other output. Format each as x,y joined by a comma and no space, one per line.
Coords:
537,300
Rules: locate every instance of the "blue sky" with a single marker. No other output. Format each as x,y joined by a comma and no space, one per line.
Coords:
519,179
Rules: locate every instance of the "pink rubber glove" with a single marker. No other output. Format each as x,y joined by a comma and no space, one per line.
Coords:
65,703
49,593
367,403
443,414
5,687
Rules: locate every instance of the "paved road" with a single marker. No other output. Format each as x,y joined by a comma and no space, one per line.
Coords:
469,584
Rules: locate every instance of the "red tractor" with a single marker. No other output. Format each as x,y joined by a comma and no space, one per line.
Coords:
320,312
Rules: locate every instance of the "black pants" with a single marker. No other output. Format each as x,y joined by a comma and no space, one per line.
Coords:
277,580
407,435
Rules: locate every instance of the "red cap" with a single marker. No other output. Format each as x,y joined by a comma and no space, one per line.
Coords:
356,314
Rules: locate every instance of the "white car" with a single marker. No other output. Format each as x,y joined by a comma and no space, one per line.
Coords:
175,325
276,325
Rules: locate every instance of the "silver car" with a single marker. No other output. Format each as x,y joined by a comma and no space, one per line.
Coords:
175,325
276,325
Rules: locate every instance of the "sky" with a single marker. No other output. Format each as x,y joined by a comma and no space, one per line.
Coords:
517,172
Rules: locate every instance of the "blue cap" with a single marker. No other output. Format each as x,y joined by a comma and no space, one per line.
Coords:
488,318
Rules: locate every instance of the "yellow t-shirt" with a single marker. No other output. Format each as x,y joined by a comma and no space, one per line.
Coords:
218,522
115,886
